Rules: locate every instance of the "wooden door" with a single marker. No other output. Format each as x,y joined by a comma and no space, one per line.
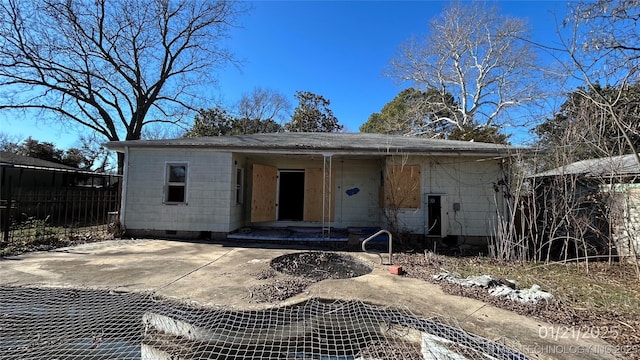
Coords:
263,193
313,193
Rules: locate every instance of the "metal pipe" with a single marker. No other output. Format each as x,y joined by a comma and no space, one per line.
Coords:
364,243
326,193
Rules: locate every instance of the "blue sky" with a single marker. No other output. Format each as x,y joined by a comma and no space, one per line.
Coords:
337,49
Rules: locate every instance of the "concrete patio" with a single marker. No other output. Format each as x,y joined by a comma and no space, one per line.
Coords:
222,274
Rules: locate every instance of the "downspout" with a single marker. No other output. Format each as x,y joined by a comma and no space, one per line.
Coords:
125,180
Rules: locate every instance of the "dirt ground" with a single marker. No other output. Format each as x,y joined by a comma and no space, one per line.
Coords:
241,276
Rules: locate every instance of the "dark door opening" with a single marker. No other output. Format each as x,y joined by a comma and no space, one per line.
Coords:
434,210
291,195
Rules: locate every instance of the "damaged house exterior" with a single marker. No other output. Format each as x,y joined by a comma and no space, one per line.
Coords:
604,199
216,186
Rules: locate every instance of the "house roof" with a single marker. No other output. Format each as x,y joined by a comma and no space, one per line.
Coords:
623,165
341,143
8,159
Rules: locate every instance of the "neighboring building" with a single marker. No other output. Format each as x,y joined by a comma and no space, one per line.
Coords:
607,188
213,186
31,173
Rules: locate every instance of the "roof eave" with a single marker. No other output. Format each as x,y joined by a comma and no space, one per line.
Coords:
55,169
120,146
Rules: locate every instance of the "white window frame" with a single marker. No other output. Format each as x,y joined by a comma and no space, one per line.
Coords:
167,182
239,185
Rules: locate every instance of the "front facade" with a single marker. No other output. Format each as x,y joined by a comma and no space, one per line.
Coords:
215,186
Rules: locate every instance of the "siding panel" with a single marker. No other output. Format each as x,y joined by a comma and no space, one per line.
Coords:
208,179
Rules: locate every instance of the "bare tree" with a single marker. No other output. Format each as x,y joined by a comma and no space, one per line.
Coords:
415,113
601,42
583,129
401,194
264,104
603,48
587,209
478,56
9,143
111,66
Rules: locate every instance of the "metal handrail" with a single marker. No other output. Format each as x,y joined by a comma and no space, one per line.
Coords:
365,241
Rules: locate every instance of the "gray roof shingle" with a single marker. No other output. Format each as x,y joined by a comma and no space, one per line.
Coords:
338,142
622,165
8,158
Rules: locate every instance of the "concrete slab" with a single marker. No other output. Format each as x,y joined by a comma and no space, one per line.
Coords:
222,274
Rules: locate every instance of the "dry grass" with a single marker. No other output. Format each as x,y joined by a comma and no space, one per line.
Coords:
603,296
49,238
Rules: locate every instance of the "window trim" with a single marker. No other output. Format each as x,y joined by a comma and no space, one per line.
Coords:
239,186
167,183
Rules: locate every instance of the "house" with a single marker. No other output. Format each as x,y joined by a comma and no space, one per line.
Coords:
214,186
604,191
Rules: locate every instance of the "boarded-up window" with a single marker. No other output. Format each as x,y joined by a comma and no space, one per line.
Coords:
263,193
402,186
314,205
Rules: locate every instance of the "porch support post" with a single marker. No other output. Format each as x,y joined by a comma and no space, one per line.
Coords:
327,189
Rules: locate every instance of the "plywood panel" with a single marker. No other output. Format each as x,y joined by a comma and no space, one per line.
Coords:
313,204
402,186
263,194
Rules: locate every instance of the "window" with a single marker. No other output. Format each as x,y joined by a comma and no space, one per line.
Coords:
239,186
176,186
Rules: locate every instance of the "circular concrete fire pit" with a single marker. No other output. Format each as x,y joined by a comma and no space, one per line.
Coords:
319,266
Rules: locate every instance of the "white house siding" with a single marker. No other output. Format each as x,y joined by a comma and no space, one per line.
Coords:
626,218
361,208
211,203
208,183
465,181
629,244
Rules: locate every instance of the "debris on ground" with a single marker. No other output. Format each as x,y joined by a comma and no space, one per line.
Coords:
291,274
265,274
319,265
278,289
52,242
532,295
498,287
620,324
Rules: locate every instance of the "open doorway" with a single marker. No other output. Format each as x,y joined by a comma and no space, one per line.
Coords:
434,213
291,195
